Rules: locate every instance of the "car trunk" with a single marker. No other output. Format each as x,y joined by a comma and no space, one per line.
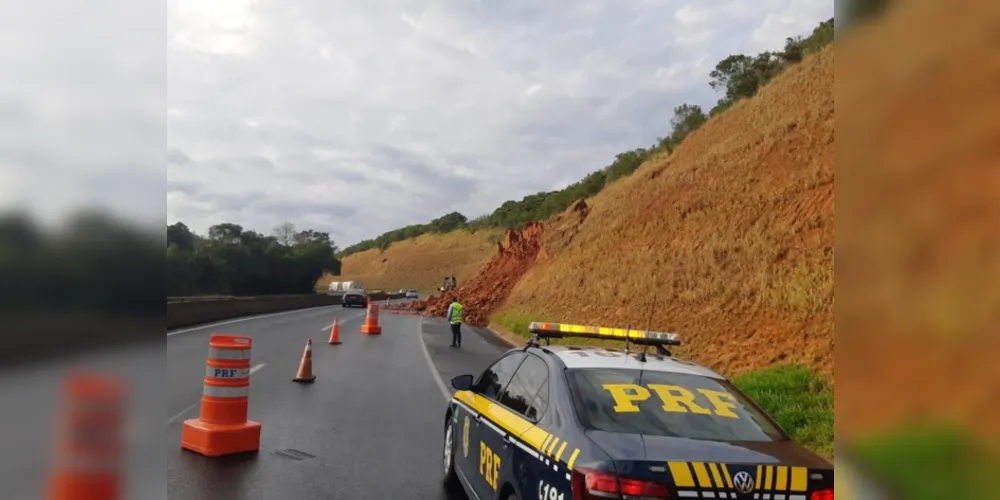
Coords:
736,470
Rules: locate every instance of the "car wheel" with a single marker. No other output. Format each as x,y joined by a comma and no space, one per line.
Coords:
450,478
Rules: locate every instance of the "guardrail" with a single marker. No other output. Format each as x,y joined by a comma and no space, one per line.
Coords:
195,312
203,298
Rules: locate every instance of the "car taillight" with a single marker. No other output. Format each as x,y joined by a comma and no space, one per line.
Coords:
822,495
592,485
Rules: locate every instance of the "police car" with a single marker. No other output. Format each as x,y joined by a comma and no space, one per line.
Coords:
586,423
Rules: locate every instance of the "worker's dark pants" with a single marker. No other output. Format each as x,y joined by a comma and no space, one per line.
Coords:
456,334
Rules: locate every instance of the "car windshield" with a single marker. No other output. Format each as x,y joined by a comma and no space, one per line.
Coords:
662,403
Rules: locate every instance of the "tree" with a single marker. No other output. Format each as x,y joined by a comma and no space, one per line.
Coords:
687,119
225,232
180,236
243,262
284,232
740,76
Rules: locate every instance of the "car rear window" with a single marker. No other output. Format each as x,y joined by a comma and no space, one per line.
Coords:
666,404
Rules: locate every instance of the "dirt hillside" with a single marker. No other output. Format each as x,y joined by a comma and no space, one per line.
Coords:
729,241
918,236
421,262
732,237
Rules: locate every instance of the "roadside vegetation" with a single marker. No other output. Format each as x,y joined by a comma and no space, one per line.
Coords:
798,398
737,77
929,462
230,260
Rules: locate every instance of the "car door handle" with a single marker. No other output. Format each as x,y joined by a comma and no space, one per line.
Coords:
479,419
506,440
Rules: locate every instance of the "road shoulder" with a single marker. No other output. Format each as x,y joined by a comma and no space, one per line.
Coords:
480,348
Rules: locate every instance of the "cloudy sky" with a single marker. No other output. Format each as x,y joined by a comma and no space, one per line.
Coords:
357,117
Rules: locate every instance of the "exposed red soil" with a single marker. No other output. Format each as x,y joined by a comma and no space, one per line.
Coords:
486,293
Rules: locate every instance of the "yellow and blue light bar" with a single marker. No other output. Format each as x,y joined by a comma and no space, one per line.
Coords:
565,330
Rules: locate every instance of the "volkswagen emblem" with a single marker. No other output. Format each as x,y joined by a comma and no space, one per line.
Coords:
743,482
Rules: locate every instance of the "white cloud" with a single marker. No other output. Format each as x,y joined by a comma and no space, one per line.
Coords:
793,20
358,117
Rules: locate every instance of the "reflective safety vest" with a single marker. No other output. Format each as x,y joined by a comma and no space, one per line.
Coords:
455,311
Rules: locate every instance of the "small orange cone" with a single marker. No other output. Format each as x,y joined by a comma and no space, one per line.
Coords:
335,332
305,374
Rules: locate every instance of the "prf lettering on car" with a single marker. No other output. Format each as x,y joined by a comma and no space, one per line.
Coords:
489,465
674,398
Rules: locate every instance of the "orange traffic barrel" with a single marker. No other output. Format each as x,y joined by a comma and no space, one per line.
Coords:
90,440
222,428
371,326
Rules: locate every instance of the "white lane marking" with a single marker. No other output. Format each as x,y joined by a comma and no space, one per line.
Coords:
328,327
253,369
430,363
248,318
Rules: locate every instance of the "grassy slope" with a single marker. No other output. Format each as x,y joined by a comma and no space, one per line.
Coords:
732,236
421,262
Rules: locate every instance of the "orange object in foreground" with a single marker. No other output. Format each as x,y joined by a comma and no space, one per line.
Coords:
222,427
305,373
335,332
90,440
371,326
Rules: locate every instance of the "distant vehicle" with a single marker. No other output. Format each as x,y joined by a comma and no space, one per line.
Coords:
344,286
353,298
412,294
591,423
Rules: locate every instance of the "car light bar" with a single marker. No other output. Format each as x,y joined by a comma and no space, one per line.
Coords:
563,330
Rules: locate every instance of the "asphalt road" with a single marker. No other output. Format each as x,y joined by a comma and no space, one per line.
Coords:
370,427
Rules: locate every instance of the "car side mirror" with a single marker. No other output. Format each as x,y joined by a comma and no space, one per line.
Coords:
462,382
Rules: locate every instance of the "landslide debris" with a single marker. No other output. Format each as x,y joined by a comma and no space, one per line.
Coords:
487,291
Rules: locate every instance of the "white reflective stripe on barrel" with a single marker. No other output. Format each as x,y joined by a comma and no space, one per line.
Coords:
226,373
226,392
229,354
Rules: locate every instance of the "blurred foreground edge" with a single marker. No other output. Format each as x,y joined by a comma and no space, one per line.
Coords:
93,282
90,442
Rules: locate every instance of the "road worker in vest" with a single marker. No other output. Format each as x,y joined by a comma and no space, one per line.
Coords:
455,319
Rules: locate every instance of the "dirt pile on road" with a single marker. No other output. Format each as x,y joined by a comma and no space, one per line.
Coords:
486,293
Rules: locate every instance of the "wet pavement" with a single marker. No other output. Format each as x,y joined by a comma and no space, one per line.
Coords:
370,427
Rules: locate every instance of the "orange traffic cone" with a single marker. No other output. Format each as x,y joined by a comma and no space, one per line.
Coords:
305,374
371,326
335,332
